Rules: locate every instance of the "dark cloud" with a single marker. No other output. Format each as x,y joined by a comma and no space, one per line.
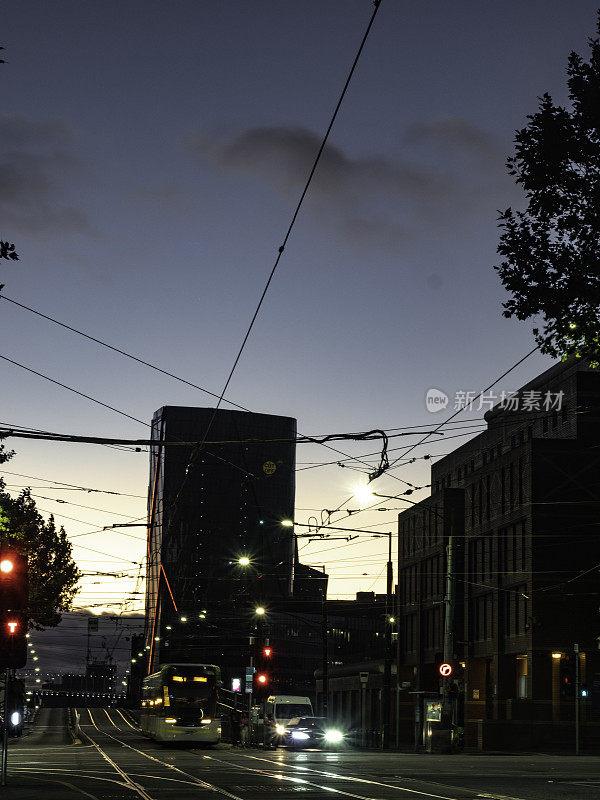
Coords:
34,167
366,199
456,134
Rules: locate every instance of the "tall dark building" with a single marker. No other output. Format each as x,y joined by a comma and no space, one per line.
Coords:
521,502
216,498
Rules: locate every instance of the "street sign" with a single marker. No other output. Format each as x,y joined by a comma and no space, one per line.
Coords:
249,680
445,670
364,677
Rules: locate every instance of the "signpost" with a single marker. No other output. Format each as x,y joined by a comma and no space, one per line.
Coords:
445,670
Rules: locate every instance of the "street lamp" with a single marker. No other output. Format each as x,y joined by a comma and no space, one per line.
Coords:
259,611
244,561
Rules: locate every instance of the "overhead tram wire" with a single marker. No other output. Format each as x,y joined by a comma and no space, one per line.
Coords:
198,448
71,486
460,410
376,4
426,437
75,391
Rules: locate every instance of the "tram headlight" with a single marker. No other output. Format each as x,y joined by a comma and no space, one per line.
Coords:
170,720
205,721
280,729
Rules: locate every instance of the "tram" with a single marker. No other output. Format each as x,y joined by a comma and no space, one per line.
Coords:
179,704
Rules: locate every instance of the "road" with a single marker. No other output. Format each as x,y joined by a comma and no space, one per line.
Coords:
115,762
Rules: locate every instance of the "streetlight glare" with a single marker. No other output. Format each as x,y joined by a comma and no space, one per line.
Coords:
6,565
287,523
244,561
363,494
260,611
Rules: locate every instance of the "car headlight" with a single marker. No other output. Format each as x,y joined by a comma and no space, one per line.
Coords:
299,735
279,729
333,736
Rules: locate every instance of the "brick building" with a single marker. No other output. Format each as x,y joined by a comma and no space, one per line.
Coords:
522,504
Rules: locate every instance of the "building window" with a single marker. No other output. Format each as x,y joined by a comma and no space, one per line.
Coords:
522,677
520,481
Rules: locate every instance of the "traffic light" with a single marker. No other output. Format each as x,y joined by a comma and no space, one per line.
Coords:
14,583
567,676
13,641
267,652
261,684
16,705
14,601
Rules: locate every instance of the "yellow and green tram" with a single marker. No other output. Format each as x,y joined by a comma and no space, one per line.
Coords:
179,704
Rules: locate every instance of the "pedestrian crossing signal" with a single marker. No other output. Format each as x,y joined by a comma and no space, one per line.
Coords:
13,640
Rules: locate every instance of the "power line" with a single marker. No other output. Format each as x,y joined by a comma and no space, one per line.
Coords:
72,486
75,391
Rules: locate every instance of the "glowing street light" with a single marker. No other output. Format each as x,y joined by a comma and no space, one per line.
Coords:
363,494
287,523
260,611
244,561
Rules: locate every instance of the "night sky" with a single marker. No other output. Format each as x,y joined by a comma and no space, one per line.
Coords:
151,155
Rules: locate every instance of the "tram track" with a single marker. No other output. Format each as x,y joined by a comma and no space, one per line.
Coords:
199,782
275,774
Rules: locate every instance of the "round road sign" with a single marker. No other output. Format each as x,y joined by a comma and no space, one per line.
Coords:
445,670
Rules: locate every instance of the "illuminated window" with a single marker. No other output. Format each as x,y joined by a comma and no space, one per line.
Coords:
201,680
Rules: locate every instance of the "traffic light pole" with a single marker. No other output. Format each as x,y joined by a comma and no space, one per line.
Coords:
387,668
325,664
577,693
5,728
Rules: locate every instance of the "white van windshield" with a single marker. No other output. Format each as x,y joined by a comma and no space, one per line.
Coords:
289,710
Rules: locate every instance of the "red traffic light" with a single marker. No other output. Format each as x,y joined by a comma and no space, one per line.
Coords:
14,586
13,627
267,651
262,678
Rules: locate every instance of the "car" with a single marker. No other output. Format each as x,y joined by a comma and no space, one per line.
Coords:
312,732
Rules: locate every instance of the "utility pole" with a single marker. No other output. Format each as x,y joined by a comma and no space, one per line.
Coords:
577,694
5,727
387,668
450,601
324,703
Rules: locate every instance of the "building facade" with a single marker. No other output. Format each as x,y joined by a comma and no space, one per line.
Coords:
217,495
520,504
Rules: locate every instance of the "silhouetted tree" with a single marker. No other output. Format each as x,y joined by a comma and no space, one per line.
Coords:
551,250
53,575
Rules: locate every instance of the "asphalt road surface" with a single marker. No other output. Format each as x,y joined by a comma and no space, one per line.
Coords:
115,762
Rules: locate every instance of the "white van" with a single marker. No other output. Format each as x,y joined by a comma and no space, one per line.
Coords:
281,708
